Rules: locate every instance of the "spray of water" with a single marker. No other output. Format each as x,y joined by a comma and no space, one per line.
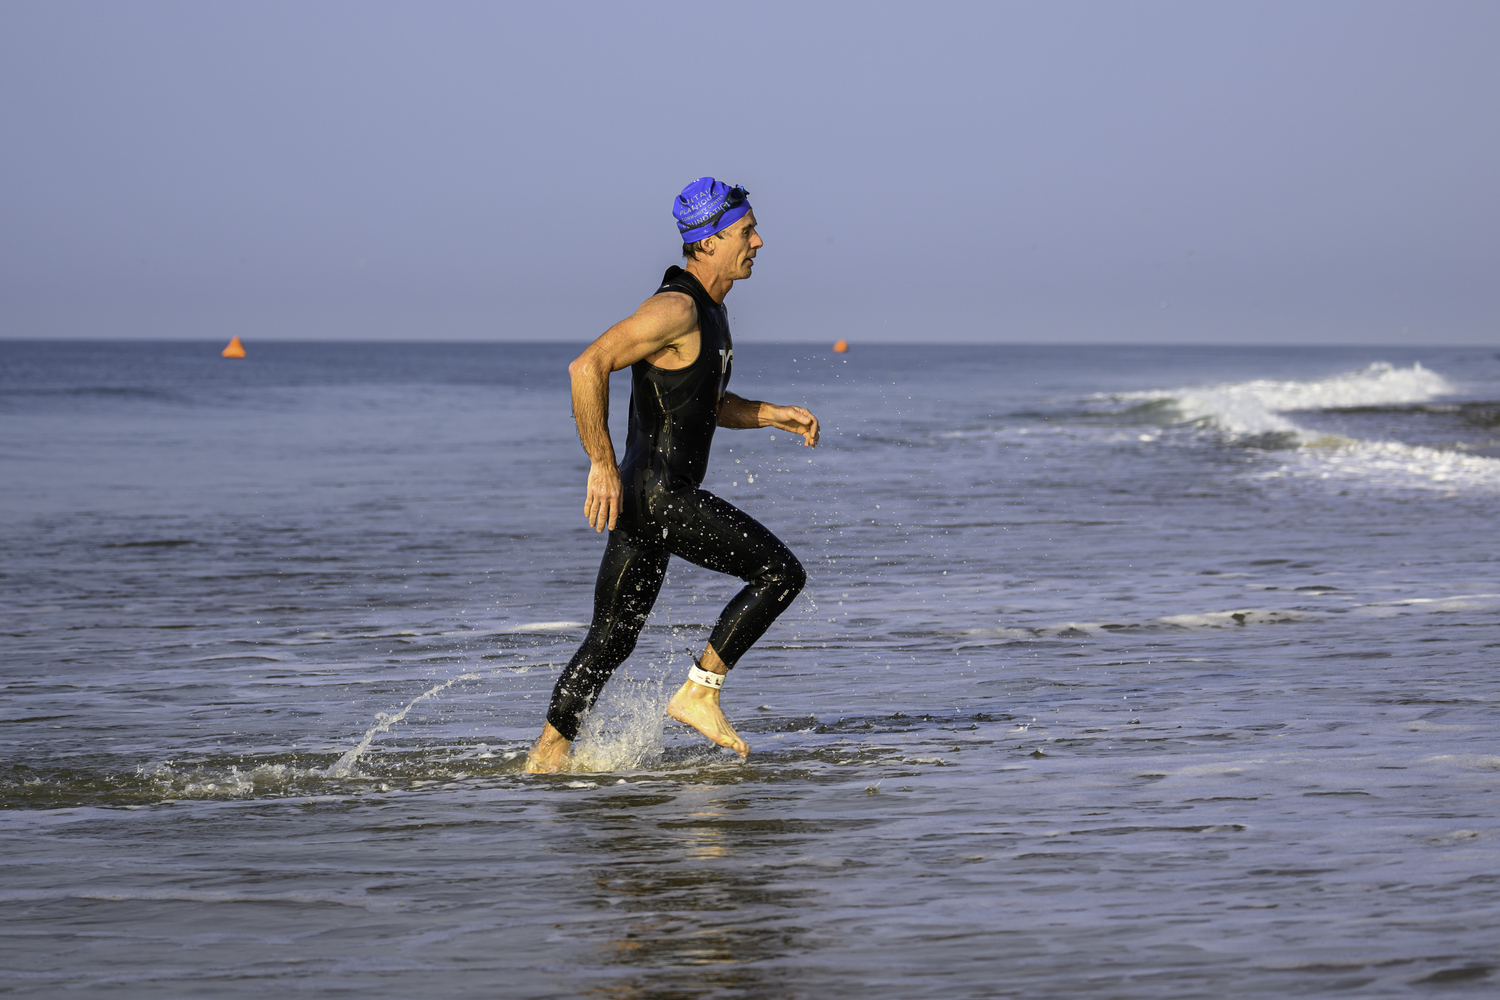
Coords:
383,723
627,730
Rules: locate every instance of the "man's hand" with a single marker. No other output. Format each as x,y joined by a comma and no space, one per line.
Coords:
793,419
605,496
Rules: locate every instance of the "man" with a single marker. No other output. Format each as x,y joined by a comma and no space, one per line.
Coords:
678,348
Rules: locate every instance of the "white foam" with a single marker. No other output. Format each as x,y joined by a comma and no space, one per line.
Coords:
232,783
1468,761
1259,407
1256,407
1096,630
1246,616
545,627
1453,604
1390,463
1467,604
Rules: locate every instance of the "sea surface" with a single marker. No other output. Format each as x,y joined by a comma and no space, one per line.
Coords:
1122,672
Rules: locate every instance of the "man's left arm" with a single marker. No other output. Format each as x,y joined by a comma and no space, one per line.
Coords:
738,412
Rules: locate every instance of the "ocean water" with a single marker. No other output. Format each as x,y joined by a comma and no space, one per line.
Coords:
1121,672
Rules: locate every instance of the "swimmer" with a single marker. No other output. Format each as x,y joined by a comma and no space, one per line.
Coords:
678,348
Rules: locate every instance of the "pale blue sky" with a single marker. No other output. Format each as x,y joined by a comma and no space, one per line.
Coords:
1046,172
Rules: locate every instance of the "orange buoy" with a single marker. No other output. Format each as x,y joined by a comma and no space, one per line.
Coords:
840,346
235,349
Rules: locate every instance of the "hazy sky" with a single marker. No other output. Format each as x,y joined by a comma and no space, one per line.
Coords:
1045,172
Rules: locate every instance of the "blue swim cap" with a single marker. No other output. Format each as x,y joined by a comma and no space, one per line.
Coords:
707,206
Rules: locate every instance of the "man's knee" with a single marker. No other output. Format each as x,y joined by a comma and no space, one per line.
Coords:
791,576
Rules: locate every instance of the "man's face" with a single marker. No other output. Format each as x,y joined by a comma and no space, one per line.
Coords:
737,246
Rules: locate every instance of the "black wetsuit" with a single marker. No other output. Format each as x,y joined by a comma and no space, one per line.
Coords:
673,413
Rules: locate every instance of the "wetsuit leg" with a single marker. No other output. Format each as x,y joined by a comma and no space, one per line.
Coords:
630,577
715,534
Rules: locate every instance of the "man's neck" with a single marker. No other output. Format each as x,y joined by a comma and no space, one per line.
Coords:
713,283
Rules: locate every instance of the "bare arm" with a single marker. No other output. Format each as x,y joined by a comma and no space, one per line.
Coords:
661,330
736,411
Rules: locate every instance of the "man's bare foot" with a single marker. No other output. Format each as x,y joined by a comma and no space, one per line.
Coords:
549,753
697,705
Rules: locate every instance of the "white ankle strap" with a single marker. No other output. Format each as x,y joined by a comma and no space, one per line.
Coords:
707,678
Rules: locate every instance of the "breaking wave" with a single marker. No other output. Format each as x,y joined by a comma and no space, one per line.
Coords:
1260,413
1258,407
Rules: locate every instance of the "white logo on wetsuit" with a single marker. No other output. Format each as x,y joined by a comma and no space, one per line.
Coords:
726,358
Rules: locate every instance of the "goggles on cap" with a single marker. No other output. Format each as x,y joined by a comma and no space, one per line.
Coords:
734,199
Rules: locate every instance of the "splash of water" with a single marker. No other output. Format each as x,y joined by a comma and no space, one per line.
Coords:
383,723
627,730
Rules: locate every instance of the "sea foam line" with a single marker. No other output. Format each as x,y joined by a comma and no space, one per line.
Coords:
1256,407
1391,463
1232,618
383,723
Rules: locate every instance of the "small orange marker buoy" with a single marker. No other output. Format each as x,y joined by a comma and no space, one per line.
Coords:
840,346
235,349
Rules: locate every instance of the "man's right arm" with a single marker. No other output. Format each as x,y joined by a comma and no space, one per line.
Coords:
660,324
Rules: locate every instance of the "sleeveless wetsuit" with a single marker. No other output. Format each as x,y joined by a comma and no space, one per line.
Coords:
673,413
